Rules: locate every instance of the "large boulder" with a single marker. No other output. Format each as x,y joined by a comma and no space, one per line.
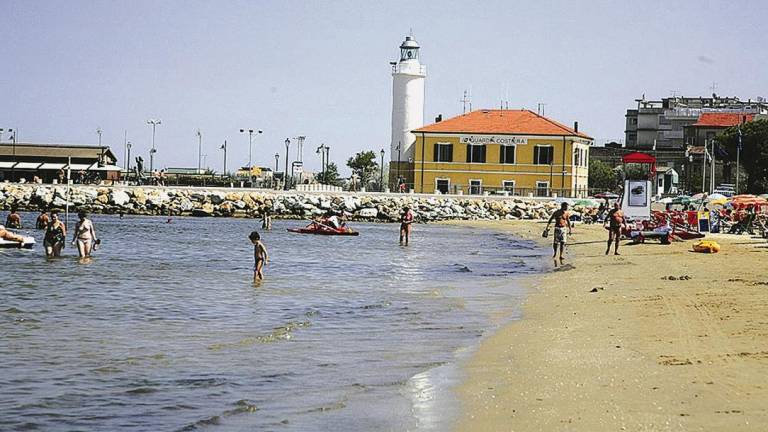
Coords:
119,197
367,213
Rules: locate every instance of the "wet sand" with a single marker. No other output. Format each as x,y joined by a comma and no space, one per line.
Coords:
624,343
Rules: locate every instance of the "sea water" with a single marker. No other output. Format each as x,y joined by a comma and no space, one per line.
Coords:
164,329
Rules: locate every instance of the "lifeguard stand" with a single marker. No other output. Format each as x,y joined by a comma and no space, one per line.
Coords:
636,197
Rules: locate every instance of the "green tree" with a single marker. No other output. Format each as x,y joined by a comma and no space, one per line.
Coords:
601,176
330,176
754,152
364,165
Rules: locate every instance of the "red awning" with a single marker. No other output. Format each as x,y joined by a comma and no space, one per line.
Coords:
641,158
638,157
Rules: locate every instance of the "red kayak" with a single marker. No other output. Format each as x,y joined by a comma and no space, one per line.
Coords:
321,229
324,231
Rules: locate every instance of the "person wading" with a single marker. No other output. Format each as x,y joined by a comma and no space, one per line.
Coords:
562,221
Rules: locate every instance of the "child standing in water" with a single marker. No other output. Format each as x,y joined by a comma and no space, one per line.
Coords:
260,256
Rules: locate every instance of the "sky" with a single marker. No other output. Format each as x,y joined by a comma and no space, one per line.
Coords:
321,68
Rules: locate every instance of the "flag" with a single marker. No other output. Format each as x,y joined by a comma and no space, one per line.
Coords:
739,145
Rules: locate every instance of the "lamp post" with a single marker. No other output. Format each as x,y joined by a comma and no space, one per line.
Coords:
321,152
128,161
285,175
250,151
381,173
154,123
224,147
398,164
277,162
199,151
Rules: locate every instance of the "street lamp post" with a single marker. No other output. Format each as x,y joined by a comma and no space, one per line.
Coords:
224,147
128,161
321,152
398,163
381,172
250,151
199,151
285,175
154,123
277,166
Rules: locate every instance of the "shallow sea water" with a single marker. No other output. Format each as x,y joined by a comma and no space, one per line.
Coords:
164,330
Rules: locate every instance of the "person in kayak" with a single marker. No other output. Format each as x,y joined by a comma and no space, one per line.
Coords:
85,235
7,235
13,220
406,220
260,256
42,221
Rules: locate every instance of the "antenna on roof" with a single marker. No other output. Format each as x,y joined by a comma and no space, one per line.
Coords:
464,101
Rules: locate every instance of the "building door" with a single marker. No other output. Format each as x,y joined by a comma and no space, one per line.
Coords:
542,188
475,187
442,185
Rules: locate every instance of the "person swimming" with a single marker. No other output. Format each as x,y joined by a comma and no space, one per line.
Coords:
13,220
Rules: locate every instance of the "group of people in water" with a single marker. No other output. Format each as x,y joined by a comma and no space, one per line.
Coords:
55,237
327,221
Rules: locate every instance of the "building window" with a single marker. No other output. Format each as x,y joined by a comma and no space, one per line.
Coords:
443,152
542,188
577,158
475,187
542,155
507,154
475,153
508,186
442,185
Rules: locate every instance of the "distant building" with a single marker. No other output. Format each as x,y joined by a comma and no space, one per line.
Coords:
486,151
27,160
676,129
661,124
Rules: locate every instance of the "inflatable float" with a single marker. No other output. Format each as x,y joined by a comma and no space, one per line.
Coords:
29,243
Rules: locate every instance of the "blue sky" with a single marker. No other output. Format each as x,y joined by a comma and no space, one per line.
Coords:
321,69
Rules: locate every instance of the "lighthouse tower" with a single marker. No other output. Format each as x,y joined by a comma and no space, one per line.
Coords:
407,101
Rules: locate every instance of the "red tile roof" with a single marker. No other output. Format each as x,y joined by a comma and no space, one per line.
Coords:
517,122
721,119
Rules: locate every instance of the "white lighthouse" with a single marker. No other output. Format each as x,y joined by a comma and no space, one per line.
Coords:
407,100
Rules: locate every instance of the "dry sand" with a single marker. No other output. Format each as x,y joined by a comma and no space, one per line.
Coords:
643,352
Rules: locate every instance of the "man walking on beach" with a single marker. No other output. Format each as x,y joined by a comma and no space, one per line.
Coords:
562,222
613,222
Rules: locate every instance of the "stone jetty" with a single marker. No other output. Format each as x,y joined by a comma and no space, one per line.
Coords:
212,202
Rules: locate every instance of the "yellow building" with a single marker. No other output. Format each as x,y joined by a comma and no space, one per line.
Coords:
493,151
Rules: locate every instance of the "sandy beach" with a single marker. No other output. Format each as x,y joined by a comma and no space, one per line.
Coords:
659,338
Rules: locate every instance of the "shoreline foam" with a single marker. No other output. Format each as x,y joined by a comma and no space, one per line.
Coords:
643,352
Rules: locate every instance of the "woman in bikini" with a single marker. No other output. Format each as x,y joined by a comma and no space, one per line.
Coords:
85,235
55,236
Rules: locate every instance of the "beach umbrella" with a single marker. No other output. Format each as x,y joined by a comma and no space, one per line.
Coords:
698,196
716,196
719,201
586,203
748,200
763,196
681,199
666,200
609,195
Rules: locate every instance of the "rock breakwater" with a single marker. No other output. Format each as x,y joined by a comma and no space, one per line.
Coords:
289,205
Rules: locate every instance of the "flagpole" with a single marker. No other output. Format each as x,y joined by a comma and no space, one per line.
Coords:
712,180
704,168
66,208
738,153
